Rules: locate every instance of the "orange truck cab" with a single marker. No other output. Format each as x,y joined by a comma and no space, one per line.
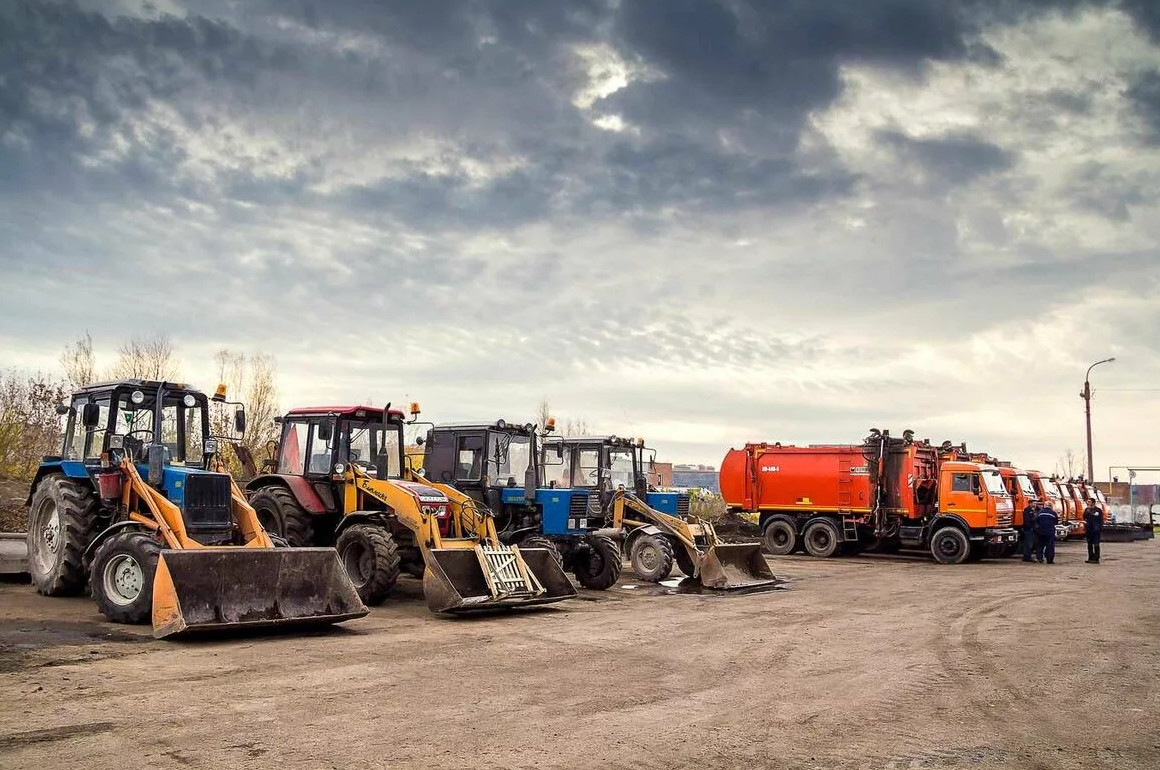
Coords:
886,493
1023,493
1075,524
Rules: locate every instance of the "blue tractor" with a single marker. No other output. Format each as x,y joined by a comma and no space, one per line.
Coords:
138,505
503,466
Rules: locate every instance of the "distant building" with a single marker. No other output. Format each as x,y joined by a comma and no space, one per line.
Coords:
696,477
661,475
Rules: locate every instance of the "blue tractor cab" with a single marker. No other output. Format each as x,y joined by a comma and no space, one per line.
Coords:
503,465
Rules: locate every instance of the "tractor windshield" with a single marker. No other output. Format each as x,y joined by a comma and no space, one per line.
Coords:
182,426
376,447
508,456
620,467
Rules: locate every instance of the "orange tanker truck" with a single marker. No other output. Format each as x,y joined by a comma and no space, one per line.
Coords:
887,493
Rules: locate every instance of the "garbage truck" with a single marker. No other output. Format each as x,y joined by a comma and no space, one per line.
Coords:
886,493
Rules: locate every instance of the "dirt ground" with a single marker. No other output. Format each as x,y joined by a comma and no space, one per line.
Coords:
13,514
866,662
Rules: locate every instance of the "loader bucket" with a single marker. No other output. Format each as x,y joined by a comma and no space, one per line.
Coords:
223,589
735,565
455,580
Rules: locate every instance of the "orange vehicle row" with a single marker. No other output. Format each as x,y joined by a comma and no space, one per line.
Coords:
892,493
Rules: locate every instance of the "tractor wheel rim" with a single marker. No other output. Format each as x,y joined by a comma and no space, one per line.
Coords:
648,556
46,532
124,579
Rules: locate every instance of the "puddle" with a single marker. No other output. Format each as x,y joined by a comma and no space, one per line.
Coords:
687,585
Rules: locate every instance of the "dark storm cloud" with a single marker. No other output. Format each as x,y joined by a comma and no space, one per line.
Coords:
1145,94
955,160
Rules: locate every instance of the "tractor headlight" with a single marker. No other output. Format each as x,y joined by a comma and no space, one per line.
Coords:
339,468
211,446
137,397
116,442
501,424
189,400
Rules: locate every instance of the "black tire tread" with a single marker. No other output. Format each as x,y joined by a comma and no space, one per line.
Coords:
539,541
836,539
386,552
77,506
965,553
297,522
684,561
766,541
666,559
145,549
609,572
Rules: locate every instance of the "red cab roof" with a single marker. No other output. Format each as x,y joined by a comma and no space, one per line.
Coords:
344,411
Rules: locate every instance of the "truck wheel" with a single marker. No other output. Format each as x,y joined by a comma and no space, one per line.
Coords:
950,545
651,558
600,568
371,559
62,522
780,537
281,515
121,578
821,539
684,561
537,541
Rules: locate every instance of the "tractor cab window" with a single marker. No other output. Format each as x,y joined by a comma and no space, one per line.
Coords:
508,456
557,471
85,444
620,467
321,449
292,449
468,458
181,427
373,447
587,468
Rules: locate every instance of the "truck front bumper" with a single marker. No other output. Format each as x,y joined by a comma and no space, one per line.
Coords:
997,540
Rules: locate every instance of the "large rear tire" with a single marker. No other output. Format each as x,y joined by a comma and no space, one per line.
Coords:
281,515
651,558
62,522
950,545
121,578
600,568
821,539
780,537
371,559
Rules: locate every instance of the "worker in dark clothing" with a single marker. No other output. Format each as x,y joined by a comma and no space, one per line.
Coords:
1045,534
1029,527
1093,520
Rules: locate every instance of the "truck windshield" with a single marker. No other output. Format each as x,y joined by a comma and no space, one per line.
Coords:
1049,488
620,467
508,456
994,483
1025,484
376,447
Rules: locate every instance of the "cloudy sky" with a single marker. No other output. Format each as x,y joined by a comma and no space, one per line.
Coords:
701,222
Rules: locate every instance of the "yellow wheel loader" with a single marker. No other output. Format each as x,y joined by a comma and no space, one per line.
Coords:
179,545
341,478
656,537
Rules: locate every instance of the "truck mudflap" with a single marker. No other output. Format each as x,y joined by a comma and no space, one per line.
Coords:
488,577
223,589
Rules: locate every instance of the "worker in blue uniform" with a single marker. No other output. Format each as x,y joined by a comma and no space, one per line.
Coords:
1045,520
1029,528
1093,519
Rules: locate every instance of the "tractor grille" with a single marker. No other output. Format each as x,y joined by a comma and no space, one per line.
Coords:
208,509
578,505
683,506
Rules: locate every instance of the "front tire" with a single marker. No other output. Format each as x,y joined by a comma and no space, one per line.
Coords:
538,541
950,545
651,558
371,559
821,539
62,522
600,568
780,537
121,578
280,514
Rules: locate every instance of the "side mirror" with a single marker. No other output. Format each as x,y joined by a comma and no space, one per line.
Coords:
91,415
63,409
559,449
325,431
240,421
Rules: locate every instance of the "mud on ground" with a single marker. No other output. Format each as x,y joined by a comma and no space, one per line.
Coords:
13,514
865,662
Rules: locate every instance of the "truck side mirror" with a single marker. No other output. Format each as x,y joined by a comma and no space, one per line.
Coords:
91,415
240,421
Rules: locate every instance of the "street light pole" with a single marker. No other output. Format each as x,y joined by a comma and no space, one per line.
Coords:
1086,395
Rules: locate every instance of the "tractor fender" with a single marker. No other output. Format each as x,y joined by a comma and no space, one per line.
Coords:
298,486
361,517
104,535
68,468
953,520
835,525
638,533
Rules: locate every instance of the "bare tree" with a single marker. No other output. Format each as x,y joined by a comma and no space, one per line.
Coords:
146,358
29,425
576,427
543,412
78,363
253,381
1069,466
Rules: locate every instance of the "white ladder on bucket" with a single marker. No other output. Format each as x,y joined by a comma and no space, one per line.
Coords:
506,573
